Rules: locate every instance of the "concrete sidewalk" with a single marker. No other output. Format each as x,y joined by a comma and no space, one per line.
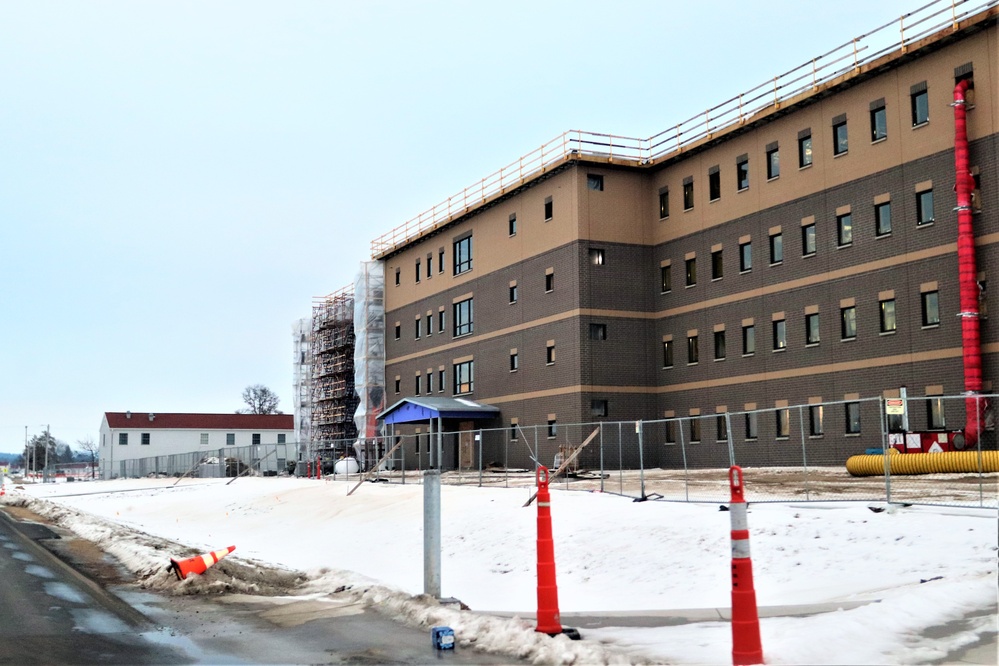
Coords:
984,652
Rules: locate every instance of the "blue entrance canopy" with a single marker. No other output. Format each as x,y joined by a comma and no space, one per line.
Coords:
416,410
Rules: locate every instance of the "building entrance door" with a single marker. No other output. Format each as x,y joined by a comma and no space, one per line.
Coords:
466,445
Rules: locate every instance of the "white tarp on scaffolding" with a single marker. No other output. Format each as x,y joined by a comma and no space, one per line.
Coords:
369,348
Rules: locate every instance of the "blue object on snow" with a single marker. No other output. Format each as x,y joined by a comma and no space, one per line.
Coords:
442,638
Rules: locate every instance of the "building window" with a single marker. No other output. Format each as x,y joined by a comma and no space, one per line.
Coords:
464,377
595,182
418,270
598,331
597,257
742,173
671,432
667,353
145,439
512,228
430,382
887,308
398,388
773,162
882,219
255,439
688,194
430,265
924,207
808,240
879,121
666,277
663,203
398,331
463,255
695,430
691,271
745,257
550,353
552,428
441,380
513,431
776,248
812,329
783,419
815,420
514,361
463,320
123,439
935,418
852,411
717,269
780,335
692,353
441,321
549,282
840,142
848,322
752,430
417,327
721,427
549,209
804,149
719,345
398,276
844,229
920,103
430,325
419,379
513,293
440,261
598,408
230,439
204,439
714,184
931,308
748,340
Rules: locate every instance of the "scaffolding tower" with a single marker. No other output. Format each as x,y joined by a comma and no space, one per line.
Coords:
333,397
301,332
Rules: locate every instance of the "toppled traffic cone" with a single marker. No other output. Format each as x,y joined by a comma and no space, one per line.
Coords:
199,564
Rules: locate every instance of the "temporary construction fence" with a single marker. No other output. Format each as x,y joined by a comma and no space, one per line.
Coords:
789,453
231,461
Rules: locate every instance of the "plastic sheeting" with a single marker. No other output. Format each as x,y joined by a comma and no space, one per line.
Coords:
369,349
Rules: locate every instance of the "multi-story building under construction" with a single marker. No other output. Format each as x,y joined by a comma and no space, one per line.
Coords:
334,399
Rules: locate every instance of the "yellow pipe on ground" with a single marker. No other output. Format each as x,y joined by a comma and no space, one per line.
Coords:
924,463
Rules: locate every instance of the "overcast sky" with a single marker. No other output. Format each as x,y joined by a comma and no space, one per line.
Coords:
178,180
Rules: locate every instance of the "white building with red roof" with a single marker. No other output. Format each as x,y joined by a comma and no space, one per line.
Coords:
126,436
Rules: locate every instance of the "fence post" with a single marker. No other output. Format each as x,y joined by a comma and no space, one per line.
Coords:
686,472
804,456
883,418
601,457
480,457
641,457
731,445
620,460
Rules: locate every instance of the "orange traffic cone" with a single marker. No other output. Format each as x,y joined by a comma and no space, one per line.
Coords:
199,564
746,645
549,621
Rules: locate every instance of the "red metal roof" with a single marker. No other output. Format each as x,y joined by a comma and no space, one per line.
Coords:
141,420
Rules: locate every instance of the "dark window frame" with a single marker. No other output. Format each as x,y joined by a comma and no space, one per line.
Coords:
844,230
812,329
462,250
463,317
749,340
930,307
882,221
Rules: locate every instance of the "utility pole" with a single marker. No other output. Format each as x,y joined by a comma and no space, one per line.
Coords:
48,439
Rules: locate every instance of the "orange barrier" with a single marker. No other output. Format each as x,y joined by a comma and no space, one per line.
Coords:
548,615
746,645
199,564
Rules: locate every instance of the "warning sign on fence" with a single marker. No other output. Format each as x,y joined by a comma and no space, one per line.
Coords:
895,406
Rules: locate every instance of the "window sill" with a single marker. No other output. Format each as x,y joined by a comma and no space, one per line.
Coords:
461,335
512,371
752,439
853,339
663,293
816,436
743,189
716,279
773,178
512,303
782,349
549,219
745,271
667,367
851,434
881,140
711,201
811,344
844,245
929,327
880,236
689,286
687,210
664,218
921,225
922,124
776,263
694,363
749,355
837,155
806,256
783,438
550,364
887,333
548,291
802,167
719,359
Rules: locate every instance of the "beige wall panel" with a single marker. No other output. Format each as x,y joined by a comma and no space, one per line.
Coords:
617,213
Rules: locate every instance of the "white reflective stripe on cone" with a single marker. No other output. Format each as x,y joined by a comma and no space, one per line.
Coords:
544,503
207,559
737,511
740,548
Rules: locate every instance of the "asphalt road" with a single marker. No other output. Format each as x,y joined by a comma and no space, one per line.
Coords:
52,613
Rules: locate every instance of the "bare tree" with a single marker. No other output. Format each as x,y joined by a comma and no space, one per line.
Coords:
89,446
259,400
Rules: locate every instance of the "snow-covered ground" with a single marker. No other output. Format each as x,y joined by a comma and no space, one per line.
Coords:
924,566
